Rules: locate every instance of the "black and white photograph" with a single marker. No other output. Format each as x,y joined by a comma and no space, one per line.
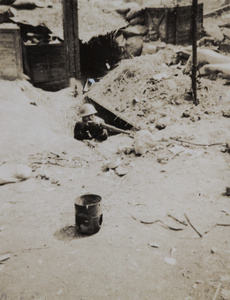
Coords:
114,149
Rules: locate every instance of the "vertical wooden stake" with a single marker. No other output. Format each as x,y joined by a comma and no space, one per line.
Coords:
71,37
194,49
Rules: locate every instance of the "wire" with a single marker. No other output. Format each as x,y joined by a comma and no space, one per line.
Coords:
202,145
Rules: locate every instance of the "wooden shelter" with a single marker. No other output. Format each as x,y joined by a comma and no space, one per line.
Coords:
172,25
10,52
46,65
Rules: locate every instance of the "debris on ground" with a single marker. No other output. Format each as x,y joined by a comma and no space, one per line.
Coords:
170,260
120,171
4,257
51,158
143,141
11,173
154,245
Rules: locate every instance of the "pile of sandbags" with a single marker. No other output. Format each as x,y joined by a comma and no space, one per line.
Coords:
220,33
216,70
131,38
210,64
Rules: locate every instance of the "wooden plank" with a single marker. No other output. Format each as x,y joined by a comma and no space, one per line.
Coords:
117,118
47,64
18,53
71,37
217,11
184,29
10,52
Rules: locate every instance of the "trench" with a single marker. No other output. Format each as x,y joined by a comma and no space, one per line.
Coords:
98,56
109,117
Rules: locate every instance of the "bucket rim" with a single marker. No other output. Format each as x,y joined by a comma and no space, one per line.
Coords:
88,200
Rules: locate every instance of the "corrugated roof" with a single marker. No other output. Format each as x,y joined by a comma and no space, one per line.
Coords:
93,19
45,16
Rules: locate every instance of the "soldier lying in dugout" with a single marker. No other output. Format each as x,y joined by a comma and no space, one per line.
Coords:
90,126
93,127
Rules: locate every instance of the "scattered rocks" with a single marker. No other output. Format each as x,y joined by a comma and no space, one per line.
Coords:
226,113
185,114
214,250
143,140
160,126
120,171
154,245
195,118
112,163
170,260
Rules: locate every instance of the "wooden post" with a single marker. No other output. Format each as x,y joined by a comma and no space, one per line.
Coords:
71,37
194,50
166,27
176,23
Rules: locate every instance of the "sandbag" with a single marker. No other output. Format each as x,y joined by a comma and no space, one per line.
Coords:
120,40
143,140
123,11
214,31
149,48
134,30
216,70
126,7
27,4
133,46
206,40
138,20
133,13
204,57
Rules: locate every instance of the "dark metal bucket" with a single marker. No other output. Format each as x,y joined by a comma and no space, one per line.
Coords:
88,213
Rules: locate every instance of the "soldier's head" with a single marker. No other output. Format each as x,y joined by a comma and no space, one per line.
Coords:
87,112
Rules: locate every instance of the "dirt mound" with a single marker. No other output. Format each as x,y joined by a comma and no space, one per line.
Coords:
34,121
146,91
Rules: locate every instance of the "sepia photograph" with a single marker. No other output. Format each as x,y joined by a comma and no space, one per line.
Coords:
115,150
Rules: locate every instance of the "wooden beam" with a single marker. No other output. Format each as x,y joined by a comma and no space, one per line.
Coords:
194,51
111,116
71,37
